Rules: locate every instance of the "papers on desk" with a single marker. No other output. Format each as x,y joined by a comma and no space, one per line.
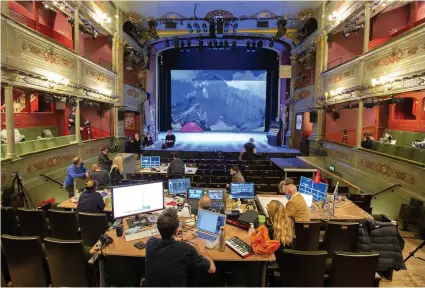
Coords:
265,200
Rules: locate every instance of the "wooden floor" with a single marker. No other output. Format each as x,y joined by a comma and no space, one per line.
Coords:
414,276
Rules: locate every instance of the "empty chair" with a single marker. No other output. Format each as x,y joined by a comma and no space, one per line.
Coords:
92,226
26,261
254,179
9,222
201,178
308,235
353,269
340,236
32,223
217,185
271,173
260,188
197,184
75,273
271,180
302,268
63,225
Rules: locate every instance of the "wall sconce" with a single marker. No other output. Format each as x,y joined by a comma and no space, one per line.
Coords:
386,83
103,18
335,14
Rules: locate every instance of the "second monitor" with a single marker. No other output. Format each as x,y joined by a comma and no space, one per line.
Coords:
242,190
178,186
150,162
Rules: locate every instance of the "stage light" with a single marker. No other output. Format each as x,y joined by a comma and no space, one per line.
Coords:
271,44
220,45
189,27
235,27
167,43
197,27
226,44
234,45
201,45
226,27
204,27
369,104
215,44
260,44
352,28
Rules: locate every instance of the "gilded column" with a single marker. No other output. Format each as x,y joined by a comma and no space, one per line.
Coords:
291,115
5,8
77,120
77,29
359,124
366,34
118,59
10,122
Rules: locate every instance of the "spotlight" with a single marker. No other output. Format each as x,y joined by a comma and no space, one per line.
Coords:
189,27
197,27
215,44
210,44
226,44
167,43
204,27
226,27
271,43
260,44
220,44
235,27
248,46
234,45
369,104
200,45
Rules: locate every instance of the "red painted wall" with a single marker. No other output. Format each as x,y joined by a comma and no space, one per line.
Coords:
102,122
97,50
342,49
307,128
130,77
386,23
417,125
130,133
24,8
420,12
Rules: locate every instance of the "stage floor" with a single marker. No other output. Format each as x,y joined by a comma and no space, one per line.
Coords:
220,141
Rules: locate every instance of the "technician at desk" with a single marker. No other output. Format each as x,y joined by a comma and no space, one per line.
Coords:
176,167
169,261
90,201
296,206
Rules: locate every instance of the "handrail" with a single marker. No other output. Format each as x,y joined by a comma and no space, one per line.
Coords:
51,179
387,189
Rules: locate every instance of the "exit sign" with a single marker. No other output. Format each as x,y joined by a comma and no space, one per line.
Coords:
332,168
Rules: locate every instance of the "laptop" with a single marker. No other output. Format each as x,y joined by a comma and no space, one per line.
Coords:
208,227
217,198
193,196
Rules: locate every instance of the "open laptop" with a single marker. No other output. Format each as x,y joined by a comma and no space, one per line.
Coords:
208,227
193,196
217,198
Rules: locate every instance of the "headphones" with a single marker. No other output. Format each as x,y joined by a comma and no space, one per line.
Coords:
105,240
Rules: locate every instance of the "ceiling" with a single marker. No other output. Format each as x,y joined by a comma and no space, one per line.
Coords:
156,9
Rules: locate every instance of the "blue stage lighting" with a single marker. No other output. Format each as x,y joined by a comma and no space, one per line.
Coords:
197,27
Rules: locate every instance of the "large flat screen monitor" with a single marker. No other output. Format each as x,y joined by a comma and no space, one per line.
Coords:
136,199
178,185
318,190
242,190
150,162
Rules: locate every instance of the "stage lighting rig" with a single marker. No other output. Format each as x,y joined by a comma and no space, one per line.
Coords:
197,27
189,27
281,28
204,28
351,28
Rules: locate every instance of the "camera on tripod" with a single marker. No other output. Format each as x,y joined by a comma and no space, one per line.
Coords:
344,130
87,123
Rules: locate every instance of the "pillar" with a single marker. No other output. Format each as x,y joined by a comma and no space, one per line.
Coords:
366,35
77,120
5,8
118,65
359,135
77,30
10,122
291,115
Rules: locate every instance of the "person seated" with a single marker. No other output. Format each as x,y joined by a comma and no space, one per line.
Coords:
99,175
147,140
280,226
176,167
419,144
204,202
104,162
117,170
136,144
283,183
296,206
18,136
248,151
386,139
368,141
90,201
170,260
170,139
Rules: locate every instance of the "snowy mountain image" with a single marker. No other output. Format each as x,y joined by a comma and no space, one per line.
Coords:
219,100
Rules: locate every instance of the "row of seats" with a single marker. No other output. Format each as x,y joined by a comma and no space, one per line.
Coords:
413,154
405,138
32,133
28,147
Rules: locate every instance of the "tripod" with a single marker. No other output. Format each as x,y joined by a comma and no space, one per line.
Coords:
345,136
22,192
412,254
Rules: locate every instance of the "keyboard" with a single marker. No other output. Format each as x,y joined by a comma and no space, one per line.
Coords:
217,204
240,247
210,240
141,234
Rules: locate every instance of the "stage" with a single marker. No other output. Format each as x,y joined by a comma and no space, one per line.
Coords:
226,142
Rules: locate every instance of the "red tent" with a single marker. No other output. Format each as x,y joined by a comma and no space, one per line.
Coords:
191,127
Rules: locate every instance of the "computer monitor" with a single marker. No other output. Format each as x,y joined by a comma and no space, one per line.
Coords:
318,190
178,185
210,222
136,199
242,190
195,193
308,199
150,162
216,194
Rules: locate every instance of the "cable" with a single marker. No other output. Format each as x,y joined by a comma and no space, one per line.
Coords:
194,11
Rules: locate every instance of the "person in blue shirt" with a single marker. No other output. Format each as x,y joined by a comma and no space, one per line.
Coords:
76,170
90,201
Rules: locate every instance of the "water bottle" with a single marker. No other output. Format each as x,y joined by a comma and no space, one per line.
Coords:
251,229
239,203
221,240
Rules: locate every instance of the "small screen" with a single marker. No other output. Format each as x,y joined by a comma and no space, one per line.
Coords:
308,199
210,221
136,199
195,193
150,162
318,190
242,190
178,186
216,194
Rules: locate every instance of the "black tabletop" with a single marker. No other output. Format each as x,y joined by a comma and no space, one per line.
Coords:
291,163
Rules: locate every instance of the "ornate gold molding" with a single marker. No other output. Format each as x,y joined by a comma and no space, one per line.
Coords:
388,171
99,76
340,77
51,162
48,56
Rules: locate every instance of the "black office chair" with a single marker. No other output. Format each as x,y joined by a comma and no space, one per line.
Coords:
63,225
3,281
353,269
75,273
92,226
9,221
302,268
307,235
340,236
33,223
26,261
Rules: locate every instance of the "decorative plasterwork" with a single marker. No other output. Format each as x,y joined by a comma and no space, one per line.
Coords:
220,13
51,162
335,79
396,55
51,57
99,76
388,171
337,155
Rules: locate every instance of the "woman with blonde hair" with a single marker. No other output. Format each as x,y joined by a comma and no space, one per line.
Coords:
117,169
280,226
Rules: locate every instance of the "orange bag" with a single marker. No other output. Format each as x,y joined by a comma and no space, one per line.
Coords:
261,243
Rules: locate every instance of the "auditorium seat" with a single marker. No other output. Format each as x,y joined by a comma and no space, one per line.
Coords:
201,178
248,173
9,221
26,261
418,155
353,269
76,271
50,143
271,180
33,222
217,185
271,173
63,225
254,179
32,133
404,152
340,236
218,179
302,268
199,184
218,172
92,226
308,235
260,188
